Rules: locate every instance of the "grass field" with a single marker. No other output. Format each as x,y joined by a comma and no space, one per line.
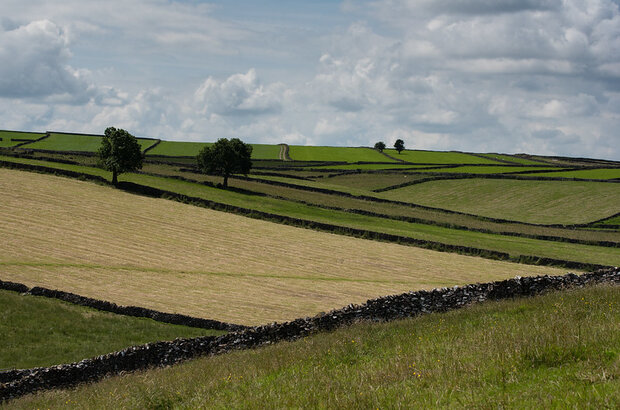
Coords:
559,350
438,157
512,158
604,173
364,181
491,169
514,245
37,331
371,181
168,256
71,142
546,202
344,154
191,149
9,137
392,166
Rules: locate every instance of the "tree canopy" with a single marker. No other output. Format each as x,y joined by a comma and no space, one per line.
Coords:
226,157
119,152
399,145
380,146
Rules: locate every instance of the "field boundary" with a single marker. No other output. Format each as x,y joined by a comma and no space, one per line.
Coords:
409,204
383,309
309,224
46,135
134,311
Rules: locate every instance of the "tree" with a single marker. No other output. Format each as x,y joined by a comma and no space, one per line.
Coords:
120,152
399,145
226,157
380,146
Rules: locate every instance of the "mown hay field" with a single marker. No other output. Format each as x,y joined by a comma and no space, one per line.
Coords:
103,243
543,202
515,246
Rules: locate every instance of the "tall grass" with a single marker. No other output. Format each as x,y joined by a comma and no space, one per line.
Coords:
560,350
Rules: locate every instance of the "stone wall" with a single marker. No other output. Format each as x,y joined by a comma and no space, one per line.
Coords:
381,309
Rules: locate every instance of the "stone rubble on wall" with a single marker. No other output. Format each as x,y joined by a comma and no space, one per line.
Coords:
379,309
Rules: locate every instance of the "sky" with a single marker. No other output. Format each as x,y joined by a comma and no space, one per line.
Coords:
508,76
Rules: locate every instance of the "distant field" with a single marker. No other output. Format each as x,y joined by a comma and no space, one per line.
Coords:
512,158
191,149
607,173
37,331
345,154
438,157
513,245
9,137
392,166
559,350
490,169
168,256
547,202
71,142
371,181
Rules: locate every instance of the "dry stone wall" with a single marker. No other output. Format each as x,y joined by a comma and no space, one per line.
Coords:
17,383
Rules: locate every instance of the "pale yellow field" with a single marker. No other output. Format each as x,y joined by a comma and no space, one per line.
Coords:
128,249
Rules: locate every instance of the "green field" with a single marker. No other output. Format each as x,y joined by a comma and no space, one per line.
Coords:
360,182
9,137
543,202
178,148
392,166
37,331
512,158
560,350
74,142
605,173
438,157
191,149
487,169
372,181
513,245
342,154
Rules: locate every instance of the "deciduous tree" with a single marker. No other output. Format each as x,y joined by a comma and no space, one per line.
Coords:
380,146
226,157
119,152
399,145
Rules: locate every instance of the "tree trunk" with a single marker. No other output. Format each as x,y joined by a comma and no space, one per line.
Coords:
225,184
114,178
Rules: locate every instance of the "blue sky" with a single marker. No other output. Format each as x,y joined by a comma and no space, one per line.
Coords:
536,76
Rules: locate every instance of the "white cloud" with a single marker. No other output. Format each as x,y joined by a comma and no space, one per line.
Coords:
34,63
239,94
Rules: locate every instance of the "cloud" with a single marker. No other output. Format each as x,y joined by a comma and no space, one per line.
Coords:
34,63
239,95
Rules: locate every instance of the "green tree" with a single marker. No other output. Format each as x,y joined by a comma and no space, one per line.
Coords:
119,152
380,146
225,157
399,145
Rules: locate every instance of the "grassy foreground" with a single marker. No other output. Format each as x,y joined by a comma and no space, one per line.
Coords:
37,331
560,350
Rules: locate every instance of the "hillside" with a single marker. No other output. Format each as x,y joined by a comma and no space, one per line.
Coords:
555,351
104,243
